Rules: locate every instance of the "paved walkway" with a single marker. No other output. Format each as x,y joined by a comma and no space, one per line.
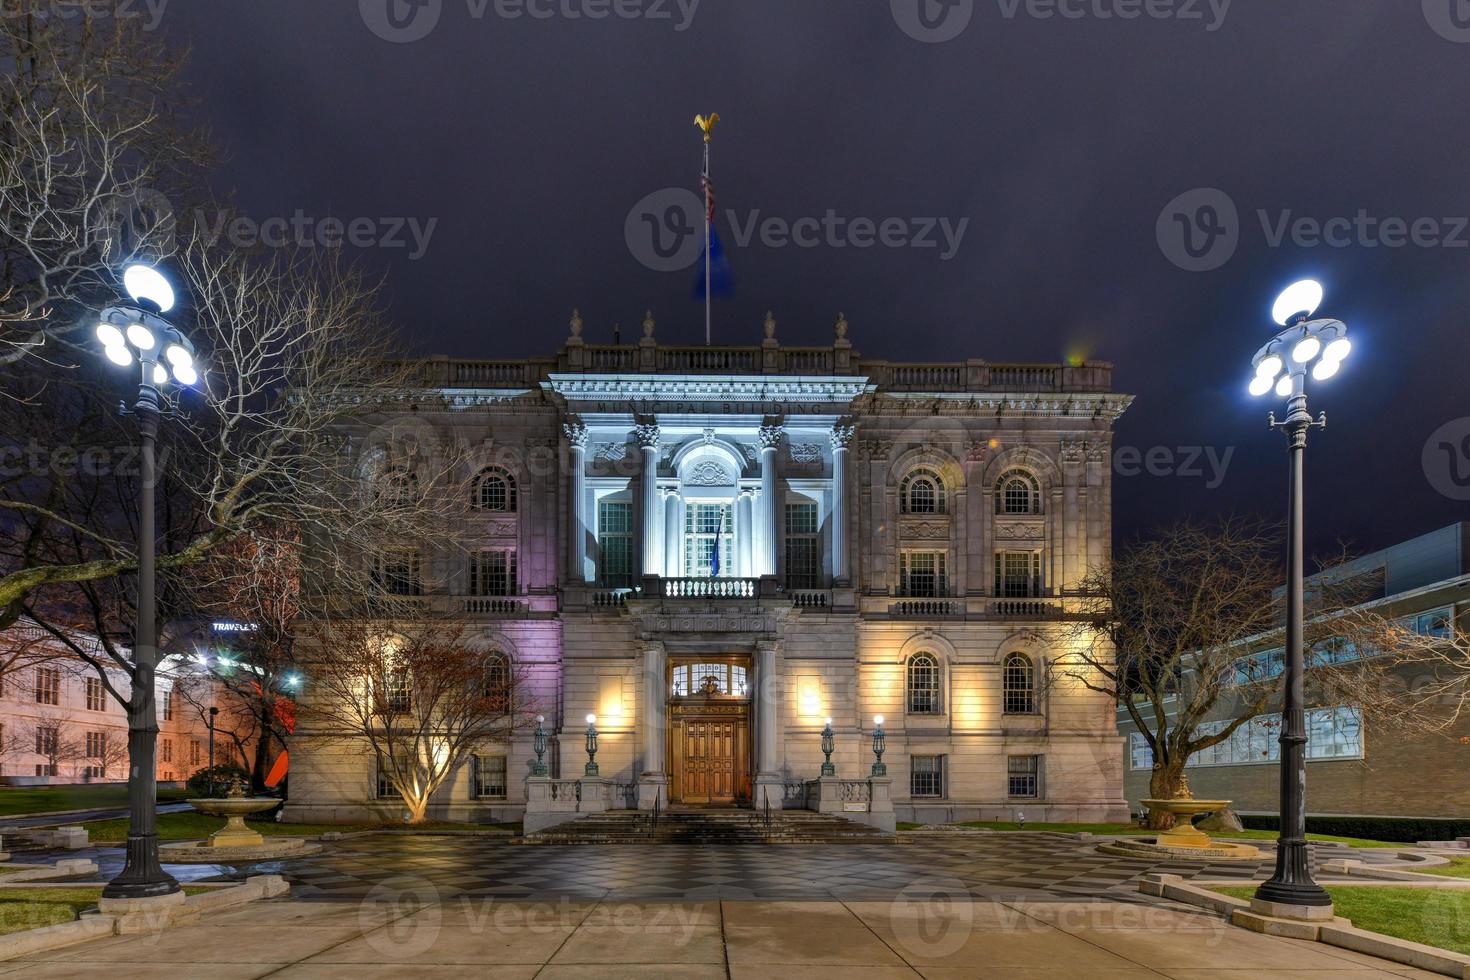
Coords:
1009,865
1022,906
918,936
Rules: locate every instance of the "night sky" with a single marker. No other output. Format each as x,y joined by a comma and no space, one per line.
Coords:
1059,140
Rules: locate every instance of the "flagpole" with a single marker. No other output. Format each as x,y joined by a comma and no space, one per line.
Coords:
708,297
708,125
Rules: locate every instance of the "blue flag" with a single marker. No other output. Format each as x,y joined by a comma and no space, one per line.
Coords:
714,558
721,282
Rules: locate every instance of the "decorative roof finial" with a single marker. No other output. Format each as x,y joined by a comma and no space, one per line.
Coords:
770,325
648,323
576,323
842,326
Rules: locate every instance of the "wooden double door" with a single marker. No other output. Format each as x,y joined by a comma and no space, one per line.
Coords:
711,755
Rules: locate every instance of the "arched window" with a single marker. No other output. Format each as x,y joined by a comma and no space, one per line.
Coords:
1017,492
495,490
1018,685
923,685
922,492
497,683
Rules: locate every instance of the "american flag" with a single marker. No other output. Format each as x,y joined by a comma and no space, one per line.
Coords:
708,187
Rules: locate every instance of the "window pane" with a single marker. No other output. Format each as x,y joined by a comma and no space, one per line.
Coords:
490,774
615,543
926,775
1022,776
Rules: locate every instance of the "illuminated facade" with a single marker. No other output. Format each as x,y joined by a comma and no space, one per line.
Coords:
715,550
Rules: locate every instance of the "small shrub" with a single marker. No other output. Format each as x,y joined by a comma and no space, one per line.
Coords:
222,776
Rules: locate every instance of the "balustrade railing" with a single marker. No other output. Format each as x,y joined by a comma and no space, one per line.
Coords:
485,606
810,598
711,588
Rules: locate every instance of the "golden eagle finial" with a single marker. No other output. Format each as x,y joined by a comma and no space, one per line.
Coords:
707,124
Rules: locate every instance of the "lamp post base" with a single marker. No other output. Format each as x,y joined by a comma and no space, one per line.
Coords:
142,876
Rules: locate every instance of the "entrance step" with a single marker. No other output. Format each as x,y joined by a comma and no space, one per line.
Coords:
687,826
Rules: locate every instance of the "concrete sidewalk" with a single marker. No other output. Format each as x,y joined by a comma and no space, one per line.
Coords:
933,934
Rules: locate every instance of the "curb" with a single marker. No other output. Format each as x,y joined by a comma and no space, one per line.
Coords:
146,916
1337,931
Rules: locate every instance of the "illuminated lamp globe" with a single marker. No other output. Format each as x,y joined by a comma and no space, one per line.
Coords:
109,335
146,284
141,337
1338,350
1260,384
1269,367
1306,349
160,374
178,355
119,355
1283,387
185,374
1300,299
1325,369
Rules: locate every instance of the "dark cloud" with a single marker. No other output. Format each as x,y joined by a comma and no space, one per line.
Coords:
1059,139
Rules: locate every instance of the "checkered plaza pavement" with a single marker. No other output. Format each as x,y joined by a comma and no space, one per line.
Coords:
1003,865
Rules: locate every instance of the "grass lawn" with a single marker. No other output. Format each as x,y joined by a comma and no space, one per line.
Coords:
1127,829
32,908
1433,916
1457,868
20,801
194,826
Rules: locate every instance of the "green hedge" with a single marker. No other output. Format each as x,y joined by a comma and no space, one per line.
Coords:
1399,830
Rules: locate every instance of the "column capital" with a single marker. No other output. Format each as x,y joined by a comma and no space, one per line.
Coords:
842,436
770,436
576,432
646,433
653,646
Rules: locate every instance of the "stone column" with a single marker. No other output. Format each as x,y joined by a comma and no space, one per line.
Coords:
653,781
841,440
673,534
770,506
769,784
577,558
647,436
745,532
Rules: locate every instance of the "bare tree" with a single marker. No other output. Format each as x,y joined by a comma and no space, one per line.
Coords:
421,697
1168,624
90,143
1424,662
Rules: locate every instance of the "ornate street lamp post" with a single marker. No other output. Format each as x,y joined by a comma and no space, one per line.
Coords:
164,356
827,768
879,768
538,743
591,745
1281,366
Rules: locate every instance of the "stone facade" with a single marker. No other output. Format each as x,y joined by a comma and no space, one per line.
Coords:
719,549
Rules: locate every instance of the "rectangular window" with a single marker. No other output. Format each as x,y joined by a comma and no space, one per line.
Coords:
1018,574
168,705
96,745
803,551
165,750
48,685
1435,623
398,692
48,741
385,788
1140,755
615,543
1023,777
1332,733
922,574
493,573
926,776
490,778
709,540
196,751
96,696
397,573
